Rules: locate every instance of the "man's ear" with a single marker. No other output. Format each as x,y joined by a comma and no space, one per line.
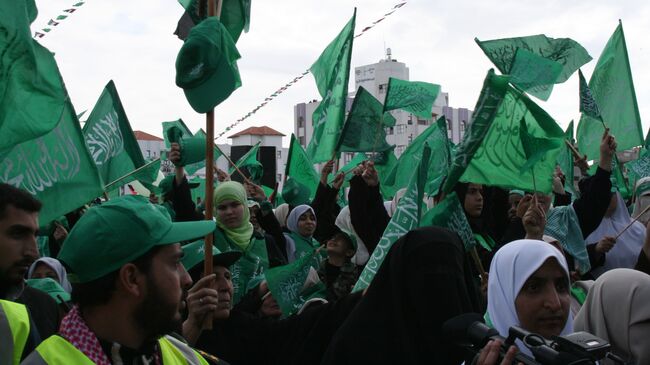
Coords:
131,280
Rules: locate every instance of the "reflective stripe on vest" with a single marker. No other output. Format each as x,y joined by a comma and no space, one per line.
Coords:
57,350
14,320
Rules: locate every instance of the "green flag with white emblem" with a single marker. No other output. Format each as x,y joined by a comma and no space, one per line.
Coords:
332,72
415,97
109,137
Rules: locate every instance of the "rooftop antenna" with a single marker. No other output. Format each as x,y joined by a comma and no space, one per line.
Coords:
388,54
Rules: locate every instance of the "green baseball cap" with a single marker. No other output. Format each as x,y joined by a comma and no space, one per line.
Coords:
206,65
294,193
51,287
195,253
118,232
192,147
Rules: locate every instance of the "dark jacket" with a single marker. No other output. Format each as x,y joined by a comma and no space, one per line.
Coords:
367,213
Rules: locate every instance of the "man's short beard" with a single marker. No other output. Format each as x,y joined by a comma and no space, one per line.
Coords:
154,317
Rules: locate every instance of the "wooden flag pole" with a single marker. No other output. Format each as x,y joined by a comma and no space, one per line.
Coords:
632,222
209,177
478,263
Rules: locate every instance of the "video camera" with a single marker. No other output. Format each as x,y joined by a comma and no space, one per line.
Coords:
470,333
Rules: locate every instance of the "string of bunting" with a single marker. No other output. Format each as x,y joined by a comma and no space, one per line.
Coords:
282,89
55,21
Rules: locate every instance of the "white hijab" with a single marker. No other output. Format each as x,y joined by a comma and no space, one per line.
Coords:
511,266
344,223
642,199
281,213
55,265
628,246
617,310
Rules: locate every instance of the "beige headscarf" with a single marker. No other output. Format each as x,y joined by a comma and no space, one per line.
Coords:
617,310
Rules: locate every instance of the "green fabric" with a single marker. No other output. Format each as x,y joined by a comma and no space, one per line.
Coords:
118,231
167,126
194,167
33,98
147,175
286,282
406,217
640,167
364,130
235,15
436,138
415,97
194,254
565,161
502,153
206,65
534,74
384,166
449,214
613,90
300,168
51,287
110,139
563,225
56,168
331,72
233,190
249,161
295,193
489,101
565,51
588,105
536,148
485,241
43,244
254,261
579,294
305,247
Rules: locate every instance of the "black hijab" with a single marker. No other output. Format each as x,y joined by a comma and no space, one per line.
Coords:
424,280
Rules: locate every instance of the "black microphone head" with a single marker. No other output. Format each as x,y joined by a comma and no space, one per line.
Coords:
455,329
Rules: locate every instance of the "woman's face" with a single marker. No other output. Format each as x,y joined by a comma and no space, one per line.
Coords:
230,213
43,271
474,200
307,224
543,302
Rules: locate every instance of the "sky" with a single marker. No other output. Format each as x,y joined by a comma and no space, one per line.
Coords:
132,43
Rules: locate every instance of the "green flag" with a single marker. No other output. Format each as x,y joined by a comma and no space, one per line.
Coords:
249,161
436,138
146,175
32,94
56,168
331,71
588,105
364,128
565,160
405,218
565,51
299,167
613,90
412,96
354,162
536,148
384,164
167,126
286,282
449,214
502,153
492,95
109,138
534,74
640,167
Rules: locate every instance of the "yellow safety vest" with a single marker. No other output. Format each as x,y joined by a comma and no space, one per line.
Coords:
57,350
14,320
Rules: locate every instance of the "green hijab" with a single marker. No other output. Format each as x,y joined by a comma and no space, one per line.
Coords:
232,190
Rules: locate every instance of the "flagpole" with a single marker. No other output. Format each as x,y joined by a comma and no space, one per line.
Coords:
213,10
132,172
237,168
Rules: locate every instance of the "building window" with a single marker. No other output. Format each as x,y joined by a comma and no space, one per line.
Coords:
390,131
301,139
423,121
401,128
410,138
462,126
399,150
382,88
347,157
279,153
279,177
148,153
301,121
410,120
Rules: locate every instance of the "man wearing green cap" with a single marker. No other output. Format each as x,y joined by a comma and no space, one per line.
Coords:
124,262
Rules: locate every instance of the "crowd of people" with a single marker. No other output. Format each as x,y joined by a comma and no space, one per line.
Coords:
123,281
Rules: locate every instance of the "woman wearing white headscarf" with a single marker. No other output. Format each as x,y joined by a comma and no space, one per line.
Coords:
301,223
628,245
529,288
50,267
617,310
642,199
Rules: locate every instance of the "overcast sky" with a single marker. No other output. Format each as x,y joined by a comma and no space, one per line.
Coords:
132,43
